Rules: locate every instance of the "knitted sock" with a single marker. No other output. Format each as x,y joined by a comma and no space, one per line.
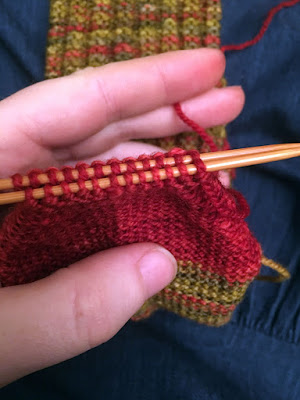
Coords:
194,217
199,221
86,33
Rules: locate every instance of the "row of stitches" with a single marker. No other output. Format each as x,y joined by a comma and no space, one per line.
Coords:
193,304
93,33
196,282
201,313
82,191
82,170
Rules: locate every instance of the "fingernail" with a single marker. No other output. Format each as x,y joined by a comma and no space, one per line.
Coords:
158,269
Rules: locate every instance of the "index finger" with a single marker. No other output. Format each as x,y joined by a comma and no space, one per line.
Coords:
68,110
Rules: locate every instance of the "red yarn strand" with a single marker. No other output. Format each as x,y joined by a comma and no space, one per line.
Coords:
197,128
233,47
264,27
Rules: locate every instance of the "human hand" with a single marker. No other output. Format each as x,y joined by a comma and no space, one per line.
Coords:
93,114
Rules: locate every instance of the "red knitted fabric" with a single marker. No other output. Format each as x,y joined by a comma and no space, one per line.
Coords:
199,221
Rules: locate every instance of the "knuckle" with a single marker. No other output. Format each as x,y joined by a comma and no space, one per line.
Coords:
112,108
93,81
90,324
161,73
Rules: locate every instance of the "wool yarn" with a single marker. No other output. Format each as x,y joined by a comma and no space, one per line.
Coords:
86,33
199,221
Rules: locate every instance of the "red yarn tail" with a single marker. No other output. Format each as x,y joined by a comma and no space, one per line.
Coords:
264,27
197,128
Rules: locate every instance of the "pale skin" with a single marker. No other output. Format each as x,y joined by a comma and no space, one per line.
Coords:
93,114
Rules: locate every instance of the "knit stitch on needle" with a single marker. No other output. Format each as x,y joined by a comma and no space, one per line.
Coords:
199,221
193,216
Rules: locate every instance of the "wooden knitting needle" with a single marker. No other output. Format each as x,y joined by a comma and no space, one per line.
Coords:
6,184
240,160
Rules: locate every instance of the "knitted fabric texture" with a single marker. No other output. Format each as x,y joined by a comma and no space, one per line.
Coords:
199,221
86,33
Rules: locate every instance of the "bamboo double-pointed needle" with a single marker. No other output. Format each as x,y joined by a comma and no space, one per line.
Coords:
213,162
6,184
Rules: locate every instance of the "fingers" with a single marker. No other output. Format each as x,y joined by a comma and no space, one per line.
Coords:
215,107
67,110
77,308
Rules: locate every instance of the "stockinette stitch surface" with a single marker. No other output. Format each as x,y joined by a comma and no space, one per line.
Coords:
199,221
86,33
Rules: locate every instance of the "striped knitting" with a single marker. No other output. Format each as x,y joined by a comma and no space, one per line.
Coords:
193,216
92,33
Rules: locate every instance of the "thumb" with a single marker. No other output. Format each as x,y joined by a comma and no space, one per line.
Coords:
77,308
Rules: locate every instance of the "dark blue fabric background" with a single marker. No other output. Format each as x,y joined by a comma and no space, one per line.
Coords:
257,355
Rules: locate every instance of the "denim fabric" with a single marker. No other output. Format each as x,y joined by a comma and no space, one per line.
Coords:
23,37
257,355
